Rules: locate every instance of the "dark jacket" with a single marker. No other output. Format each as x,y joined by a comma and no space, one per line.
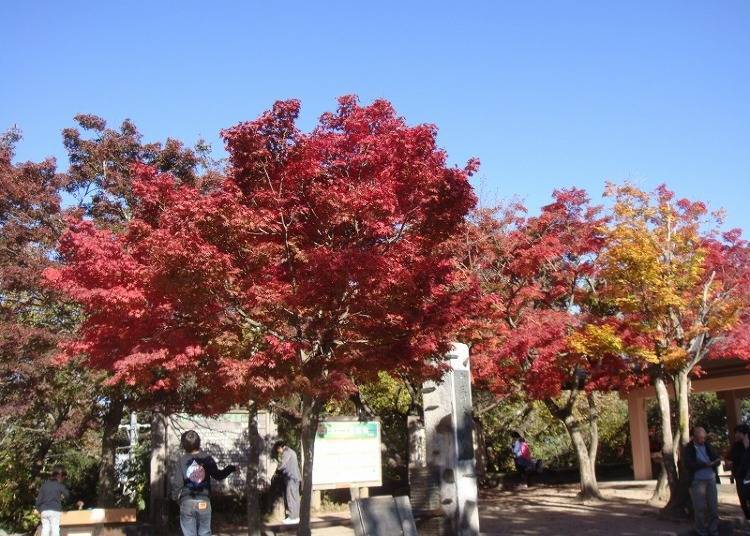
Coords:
692,464
51,495
288,465
743,469
179,486
737,457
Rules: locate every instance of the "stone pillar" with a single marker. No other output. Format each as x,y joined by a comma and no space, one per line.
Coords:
424,487
639,443
450,446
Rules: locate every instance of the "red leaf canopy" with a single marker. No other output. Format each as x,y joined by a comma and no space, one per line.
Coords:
321,259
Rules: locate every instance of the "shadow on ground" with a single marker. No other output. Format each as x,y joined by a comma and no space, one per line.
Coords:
554,510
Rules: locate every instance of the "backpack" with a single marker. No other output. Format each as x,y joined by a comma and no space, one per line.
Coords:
195,477
525,451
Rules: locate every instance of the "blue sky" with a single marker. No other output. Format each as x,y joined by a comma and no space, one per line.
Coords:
547,94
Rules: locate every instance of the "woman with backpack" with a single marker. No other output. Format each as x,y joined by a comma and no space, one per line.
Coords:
525,464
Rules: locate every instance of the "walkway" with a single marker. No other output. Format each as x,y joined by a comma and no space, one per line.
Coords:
553,510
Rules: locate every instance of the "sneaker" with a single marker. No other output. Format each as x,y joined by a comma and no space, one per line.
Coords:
291,521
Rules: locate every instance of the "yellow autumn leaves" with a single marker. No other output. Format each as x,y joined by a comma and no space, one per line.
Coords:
652,271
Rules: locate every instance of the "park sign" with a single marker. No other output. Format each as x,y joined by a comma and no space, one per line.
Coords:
347,454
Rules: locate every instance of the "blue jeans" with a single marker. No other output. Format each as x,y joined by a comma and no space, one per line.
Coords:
705,507
195,517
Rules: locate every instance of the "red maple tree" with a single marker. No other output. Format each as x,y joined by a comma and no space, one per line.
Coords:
321,259
542,331
100,179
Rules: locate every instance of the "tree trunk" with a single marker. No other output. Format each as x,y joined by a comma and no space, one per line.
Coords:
311,409
589,485
480,450
107,486
665,416
39,458
586,465
255,446
44,446
661,492
158,471
682,391
593,431
679,504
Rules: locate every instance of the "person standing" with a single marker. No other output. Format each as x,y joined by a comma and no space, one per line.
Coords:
191,485
702,462
522,458
49,501
288,469
738,464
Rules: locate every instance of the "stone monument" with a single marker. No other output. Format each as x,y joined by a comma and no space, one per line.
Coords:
444,476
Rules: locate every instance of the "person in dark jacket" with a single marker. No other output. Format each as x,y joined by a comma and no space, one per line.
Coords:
737,463
288,469
191,485
702,462
49,501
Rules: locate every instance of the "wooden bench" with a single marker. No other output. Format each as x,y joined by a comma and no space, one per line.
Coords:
96,522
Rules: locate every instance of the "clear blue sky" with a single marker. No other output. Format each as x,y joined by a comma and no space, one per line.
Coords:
546,93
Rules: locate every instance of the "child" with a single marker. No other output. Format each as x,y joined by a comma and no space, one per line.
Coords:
49,501
191,485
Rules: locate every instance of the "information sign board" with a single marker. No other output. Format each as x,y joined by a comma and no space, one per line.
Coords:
347,454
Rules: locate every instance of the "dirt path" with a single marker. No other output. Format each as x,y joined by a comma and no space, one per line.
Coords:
553,511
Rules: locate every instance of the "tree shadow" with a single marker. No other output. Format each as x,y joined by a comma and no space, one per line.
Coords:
553,510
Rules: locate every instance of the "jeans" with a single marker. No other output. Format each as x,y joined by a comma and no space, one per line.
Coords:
195,517
705,507
50,523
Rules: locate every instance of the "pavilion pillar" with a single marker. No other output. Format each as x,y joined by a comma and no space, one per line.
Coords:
639,443
732,404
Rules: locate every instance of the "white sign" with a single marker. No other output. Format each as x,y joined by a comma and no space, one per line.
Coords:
347,454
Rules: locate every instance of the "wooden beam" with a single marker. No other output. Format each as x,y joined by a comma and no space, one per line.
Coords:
700,385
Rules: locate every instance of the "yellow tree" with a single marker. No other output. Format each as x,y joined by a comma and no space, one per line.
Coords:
681,291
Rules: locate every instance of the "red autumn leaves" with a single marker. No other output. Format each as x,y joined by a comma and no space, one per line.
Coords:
320,259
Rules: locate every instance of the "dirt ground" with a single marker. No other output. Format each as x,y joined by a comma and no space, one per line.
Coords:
548,510
553,511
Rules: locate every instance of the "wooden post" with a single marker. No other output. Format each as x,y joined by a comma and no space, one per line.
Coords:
732,404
